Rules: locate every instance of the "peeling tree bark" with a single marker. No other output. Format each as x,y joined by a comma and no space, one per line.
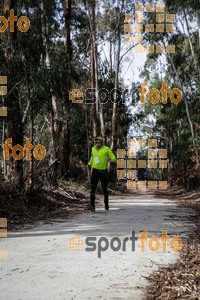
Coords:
66,129
94,73
67,10
92,85
198,24
14,129
55,125
114,112
188,33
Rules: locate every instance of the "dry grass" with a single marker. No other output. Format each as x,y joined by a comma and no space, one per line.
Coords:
181,280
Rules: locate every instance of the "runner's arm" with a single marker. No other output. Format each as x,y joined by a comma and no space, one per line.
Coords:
91,161
111,155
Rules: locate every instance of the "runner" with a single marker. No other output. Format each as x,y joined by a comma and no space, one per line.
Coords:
100,157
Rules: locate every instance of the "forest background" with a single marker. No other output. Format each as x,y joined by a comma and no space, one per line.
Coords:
64,49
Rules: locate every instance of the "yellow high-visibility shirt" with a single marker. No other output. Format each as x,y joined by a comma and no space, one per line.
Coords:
99,157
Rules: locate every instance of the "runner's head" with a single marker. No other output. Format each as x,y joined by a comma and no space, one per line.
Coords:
98,142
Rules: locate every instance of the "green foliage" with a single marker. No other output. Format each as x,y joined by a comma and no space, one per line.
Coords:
171,121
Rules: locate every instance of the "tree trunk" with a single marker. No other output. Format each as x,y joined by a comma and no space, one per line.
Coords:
67,10
66,149
190,41
55,125
66,128
117,59
6,7
55,130
110,59
92,84
98,101
94,108
14,130
198,24
113,126
14,169
188,32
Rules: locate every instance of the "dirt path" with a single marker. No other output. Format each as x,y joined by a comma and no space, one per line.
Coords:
40,264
